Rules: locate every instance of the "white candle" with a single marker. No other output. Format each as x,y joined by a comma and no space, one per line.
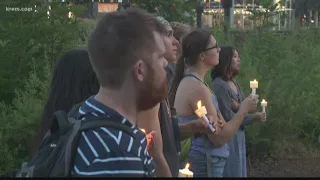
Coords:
70,14
185,172
143,130
254,85
264,104
201,112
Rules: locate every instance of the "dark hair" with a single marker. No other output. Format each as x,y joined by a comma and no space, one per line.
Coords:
73,81
118,41
223,69
192,45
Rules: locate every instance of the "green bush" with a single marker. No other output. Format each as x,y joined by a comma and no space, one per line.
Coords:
288,70
30,44
21,119
28,39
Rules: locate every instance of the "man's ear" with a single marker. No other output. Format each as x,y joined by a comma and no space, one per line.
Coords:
139,70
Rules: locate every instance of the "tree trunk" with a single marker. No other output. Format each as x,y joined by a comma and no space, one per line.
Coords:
91,11
316,17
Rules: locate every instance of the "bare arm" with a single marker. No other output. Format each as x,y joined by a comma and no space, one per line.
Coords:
229,129
149,120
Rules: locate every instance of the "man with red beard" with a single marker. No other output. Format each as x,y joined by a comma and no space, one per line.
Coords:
160,119
128,64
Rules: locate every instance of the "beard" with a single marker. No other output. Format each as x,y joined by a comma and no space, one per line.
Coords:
151,91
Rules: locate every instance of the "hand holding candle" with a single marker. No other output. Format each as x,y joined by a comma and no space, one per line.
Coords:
254,85
185,172
151,139
201,112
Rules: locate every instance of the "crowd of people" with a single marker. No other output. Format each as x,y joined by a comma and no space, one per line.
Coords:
147,73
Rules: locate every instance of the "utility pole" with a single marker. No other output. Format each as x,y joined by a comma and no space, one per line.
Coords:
119,5
227,6
199,10
123,4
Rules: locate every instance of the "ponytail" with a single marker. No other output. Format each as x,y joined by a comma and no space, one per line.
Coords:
192,45
178,75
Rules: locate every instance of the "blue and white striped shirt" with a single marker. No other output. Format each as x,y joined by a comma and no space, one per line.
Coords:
110,152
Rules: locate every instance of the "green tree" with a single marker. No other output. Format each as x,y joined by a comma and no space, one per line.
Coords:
29,38
172,10
265,18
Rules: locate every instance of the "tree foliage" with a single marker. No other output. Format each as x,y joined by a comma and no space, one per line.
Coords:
27,39
287,68
172,10
30,44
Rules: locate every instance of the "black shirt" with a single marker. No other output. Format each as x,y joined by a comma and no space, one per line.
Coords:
170,130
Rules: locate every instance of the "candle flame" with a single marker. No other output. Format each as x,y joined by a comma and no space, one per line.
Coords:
143,130
187,166
70,14
199,104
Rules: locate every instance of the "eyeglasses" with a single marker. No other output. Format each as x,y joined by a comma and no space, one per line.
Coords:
216,46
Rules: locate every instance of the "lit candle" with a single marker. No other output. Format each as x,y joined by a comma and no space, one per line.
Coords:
143,130
254,85
201,112
264,104
70,14
185,172
149,136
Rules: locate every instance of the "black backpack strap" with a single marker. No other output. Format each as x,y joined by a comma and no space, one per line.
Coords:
89,123
74,110
96,122
59,122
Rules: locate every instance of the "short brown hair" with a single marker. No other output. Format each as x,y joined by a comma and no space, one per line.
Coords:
180,29
118,41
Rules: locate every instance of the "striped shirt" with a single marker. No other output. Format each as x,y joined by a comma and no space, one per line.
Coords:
110,152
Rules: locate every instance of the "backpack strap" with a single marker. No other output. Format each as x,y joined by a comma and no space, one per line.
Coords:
90,123
75,109
96,122
59,122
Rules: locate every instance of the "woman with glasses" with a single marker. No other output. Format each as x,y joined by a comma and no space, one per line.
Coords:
230,95
209,152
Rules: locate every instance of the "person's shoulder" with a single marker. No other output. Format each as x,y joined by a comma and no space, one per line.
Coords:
190,85
74,112
110,152
218,84
199,91
108,140
218,81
